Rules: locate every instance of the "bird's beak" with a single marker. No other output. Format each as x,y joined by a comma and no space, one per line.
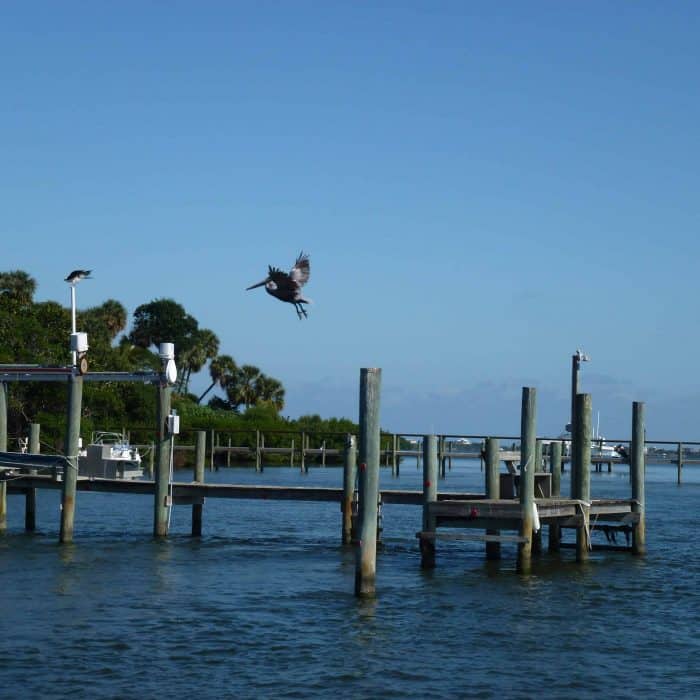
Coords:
259,284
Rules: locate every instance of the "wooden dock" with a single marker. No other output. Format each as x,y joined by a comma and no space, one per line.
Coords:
192,492
515,507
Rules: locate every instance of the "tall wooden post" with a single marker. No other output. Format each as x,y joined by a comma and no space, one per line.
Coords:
527,477
3,417
582,456
637,468
162,475
197,508
366,567
349,477
493,489
430,479
441,456
151,459
680,461
30,498
303,453
537,535
555,471
394,459
539,449
3,448
257,451
71,447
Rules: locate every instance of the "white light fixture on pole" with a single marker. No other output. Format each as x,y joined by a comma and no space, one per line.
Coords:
78,345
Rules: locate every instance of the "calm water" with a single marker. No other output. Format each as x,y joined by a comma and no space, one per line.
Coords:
263,605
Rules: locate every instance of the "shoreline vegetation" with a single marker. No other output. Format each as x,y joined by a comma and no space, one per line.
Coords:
34,332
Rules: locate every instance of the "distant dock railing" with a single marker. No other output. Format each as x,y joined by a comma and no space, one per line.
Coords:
307,448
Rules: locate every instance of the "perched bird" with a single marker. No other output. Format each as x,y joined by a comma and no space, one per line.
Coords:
78,275
287,286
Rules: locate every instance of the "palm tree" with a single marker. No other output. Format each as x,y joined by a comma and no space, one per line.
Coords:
241,390
204,346
270,390
114,316
221,369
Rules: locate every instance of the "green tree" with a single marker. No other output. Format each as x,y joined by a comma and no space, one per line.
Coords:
163,321
17,287
221,369
204,345
269,390
241,391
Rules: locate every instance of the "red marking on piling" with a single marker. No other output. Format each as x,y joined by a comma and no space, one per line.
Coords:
427,483
363,467
474,513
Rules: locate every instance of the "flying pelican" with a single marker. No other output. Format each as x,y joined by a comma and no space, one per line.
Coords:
78,275
287,286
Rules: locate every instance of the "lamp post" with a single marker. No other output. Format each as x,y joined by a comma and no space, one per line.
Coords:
78,341
74,353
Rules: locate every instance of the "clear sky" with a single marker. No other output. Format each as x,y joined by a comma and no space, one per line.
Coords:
482,187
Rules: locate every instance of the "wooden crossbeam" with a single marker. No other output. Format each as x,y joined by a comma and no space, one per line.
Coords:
480,537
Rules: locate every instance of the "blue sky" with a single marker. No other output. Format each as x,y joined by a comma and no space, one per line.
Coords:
482,187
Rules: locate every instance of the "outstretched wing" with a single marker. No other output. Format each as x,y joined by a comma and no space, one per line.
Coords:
302,270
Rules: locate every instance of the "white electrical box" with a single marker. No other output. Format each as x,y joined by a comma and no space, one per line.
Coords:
78,342
173,424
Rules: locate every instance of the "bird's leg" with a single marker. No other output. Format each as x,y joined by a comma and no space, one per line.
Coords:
296,306
303,310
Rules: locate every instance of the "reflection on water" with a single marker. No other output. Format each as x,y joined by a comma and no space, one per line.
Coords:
263,606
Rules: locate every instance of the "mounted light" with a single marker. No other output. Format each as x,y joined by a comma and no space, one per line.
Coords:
171,371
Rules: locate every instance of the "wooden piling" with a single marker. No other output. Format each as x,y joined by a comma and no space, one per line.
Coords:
366,567
30,497
71,447
197,508
3,448
680,461
537,535
303,453
555,471
162,476
430,479
493,489
637,468
581,445
441,456
528,421
258,461
349,478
